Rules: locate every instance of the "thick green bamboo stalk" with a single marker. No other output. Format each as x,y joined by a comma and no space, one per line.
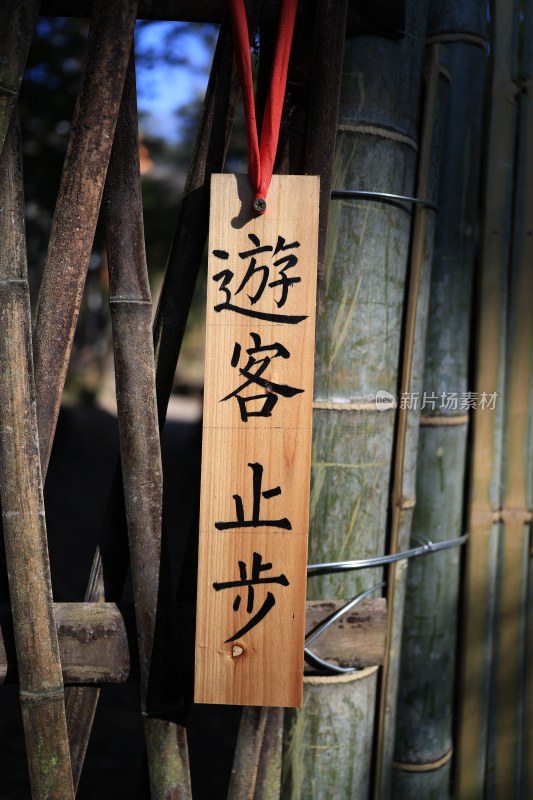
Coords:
403,497
24,526
78,204
424,717
486,493
17,23
358,343
328,743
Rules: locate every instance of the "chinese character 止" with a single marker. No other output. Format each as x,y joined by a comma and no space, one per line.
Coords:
255,580
255,521
257,278
253,372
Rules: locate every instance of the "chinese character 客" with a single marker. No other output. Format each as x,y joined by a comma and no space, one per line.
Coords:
253,372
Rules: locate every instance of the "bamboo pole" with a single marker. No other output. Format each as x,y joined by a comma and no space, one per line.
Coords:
111,559
523,255
359,316
191,230
424,738
78,203
41,684
474,771
517,475
17,23
256,771
403,497
131,314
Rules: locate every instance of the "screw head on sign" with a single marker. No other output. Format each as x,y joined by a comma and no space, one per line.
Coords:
260,205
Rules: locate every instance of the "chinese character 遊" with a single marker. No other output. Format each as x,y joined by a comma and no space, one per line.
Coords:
253,372
257,278
255,521
255,580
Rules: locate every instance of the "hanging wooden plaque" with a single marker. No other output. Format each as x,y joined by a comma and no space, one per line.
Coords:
256,443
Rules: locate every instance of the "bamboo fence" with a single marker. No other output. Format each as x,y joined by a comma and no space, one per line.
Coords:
367,109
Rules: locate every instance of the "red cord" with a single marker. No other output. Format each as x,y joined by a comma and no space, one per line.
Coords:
261,158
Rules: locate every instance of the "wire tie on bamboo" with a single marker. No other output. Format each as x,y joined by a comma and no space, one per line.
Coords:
380,561
347,677
319,663
382,197
427,767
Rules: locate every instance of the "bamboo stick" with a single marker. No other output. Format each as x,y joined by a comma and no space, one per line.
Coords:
359,316
485,491
407,424
191,230
517,478
523,255
171,317
131,313
17,23
77,206
424,740
256,771
41,684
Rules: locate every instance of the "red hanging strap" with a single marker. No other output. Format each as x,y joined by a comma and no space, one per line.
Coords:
261,158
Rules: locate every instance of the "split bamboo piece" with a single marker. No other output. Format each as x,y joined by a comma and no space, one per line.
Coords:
517,478
78,204
17,23
359,316
410,385
474,769
41,684
424,740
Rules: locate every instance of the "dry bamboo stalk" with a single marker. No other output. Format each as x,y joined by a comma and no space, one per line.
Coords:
17,23
404,469
256,769
77,207
191,231
131,312
485,492
174,305
323,111
517,476
41,683
523,251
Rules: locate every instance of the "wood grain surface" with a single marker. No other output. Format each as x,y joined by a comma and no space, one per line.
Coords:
257,440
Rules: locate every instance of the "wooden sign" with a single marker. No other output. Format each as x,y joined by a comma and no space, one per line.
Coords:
256,443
